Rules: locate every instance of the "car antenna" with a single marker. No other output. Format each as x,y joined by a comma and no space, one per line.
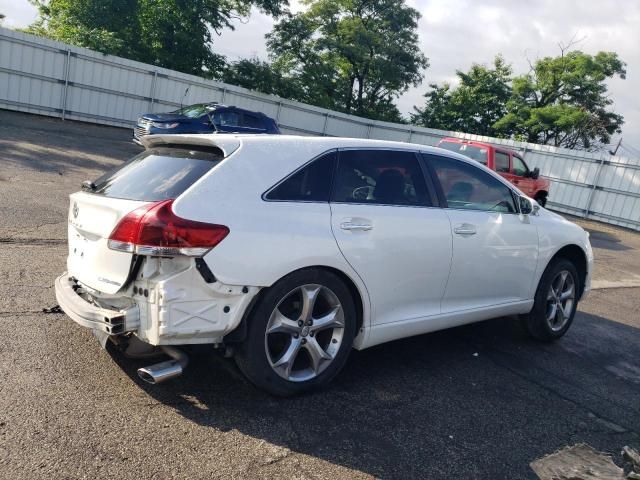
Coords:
185,94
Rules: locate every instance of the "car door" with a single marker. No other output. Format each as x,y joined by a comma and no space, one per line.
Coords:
521,176
384,222
495,249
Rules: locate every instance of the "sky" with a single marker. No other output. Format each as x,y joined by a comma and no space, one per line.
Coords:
454,34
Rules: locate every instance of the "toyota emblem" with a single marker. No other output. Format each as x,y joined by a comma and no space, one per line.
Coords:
75,210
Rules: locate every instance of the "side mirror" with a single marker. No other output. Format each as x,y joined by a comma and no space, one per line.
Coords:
526,206
535,173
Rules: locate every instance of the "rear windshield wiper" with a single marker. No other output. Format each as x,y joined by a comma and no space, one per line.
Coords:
89,186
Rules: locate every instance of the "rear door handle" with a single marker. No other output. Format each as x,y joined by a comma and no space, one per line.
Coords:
356,226
465,229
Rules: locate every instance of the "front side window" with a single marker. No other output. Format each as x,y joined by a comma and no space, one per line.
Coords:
519,167
469,188
312,183
502,162
226,119
382,177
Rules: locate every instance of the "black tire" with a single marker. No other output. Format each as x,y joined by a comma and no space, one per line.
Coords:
541,198
251,356
536,322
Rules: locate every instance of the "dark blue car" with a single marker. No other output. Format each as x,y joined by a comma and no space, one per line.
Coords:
204,118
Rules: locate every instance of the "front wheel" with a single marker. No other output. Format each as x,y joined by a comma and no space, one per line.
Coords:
299,333
555,302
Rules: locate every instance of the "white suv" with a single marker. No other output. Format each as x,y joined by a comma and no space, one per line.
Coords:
289,251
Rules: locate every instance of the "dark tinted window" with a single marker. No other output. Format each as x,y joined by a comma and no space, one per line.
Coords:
502,162
519,167
312,183
479,154
157,174
226,119
379,177
467,187
252,121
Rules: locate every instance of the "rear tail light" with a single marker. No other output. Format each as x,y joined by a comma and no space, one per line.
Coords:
156,231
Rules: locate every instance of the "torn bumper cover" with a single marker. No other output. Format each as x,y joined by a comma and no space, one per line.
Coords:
111,322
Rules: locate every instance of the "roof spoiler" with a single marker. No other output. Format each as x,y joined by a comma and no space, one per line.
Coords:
227,143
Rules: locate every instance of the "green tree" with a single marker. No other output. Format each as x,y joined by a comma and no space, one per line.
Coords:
355,56
175,34
473,106
256,74
563,101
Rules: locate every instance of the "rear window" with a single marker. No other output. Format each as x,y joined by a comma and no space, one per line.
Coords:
478,154
158,174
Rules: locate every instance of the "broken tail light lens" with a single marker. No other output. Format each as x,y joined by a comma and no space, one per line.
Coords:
155,230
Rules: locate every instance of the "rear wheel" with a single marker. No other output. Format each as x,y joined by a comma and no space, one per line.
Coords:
555,301
299,334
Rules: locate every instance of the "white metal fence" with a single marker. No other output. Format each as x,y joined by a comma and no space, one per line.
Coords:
42,76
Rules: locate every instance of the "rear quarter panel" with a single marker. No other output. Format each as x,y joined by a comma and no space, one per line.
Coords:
267,239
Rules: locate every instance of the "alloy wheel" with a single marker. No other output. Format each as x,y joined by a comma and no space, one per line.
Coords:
304,332
560,300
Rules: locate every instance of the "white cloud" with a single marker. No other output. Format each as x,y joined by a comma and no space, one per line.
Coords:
456,33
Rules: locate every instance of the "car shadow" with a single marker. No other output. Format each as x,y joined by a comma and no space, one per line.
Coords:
606,240
479,401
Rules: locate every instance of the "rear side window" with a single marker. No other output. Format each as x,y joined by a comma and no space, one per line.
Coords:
157,174
383,177
502,162
312,183
252,121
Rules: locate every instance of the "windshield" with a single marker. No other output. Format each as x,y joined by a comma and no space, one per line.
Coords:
157,174
193,111
478,154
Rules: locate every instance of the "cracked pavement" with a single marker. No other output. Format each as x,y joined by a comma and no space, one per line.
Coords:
481,401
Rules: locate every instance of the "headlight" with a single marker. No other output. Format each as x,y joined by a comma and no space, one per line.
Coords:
164,125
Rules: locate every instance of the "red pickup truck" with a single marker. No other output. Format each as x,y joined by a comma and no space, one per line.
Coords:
507,163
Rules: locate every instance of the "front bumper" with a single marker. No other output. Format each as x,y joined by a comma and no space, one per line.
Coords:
111,322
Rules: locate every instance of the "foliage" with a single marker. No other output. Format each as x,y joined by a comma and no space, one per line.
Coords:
563,101
175,34
255,74
355,56
474,106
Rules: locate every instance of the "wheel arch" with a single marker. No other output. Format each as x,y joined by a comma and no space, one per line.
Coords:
359,297
576,255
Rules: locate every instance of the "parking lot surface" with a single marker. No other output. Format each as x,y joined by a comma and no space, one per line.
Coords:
480,401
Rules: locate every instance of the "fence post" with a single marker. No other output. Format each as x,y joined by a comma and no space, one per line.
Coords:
67,66
596,180
324,128
278,112
410,135
153,89
224,94
369,130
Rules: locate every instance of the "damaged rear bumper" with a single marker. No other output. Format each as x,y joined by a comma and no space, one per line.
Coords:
111,322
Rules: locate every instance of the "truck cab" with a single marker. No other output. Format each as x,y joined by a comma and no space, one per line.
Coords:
505,162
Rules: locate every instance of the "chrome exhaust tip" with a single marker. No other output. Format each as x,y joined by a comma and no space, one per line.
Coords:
163,371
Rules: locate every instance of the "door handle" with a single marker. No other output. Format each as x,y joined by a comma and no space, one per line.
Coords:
356,226
465,229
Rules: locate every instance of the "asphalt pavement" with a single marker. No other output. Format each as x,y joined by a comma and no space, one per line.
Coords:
480,401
